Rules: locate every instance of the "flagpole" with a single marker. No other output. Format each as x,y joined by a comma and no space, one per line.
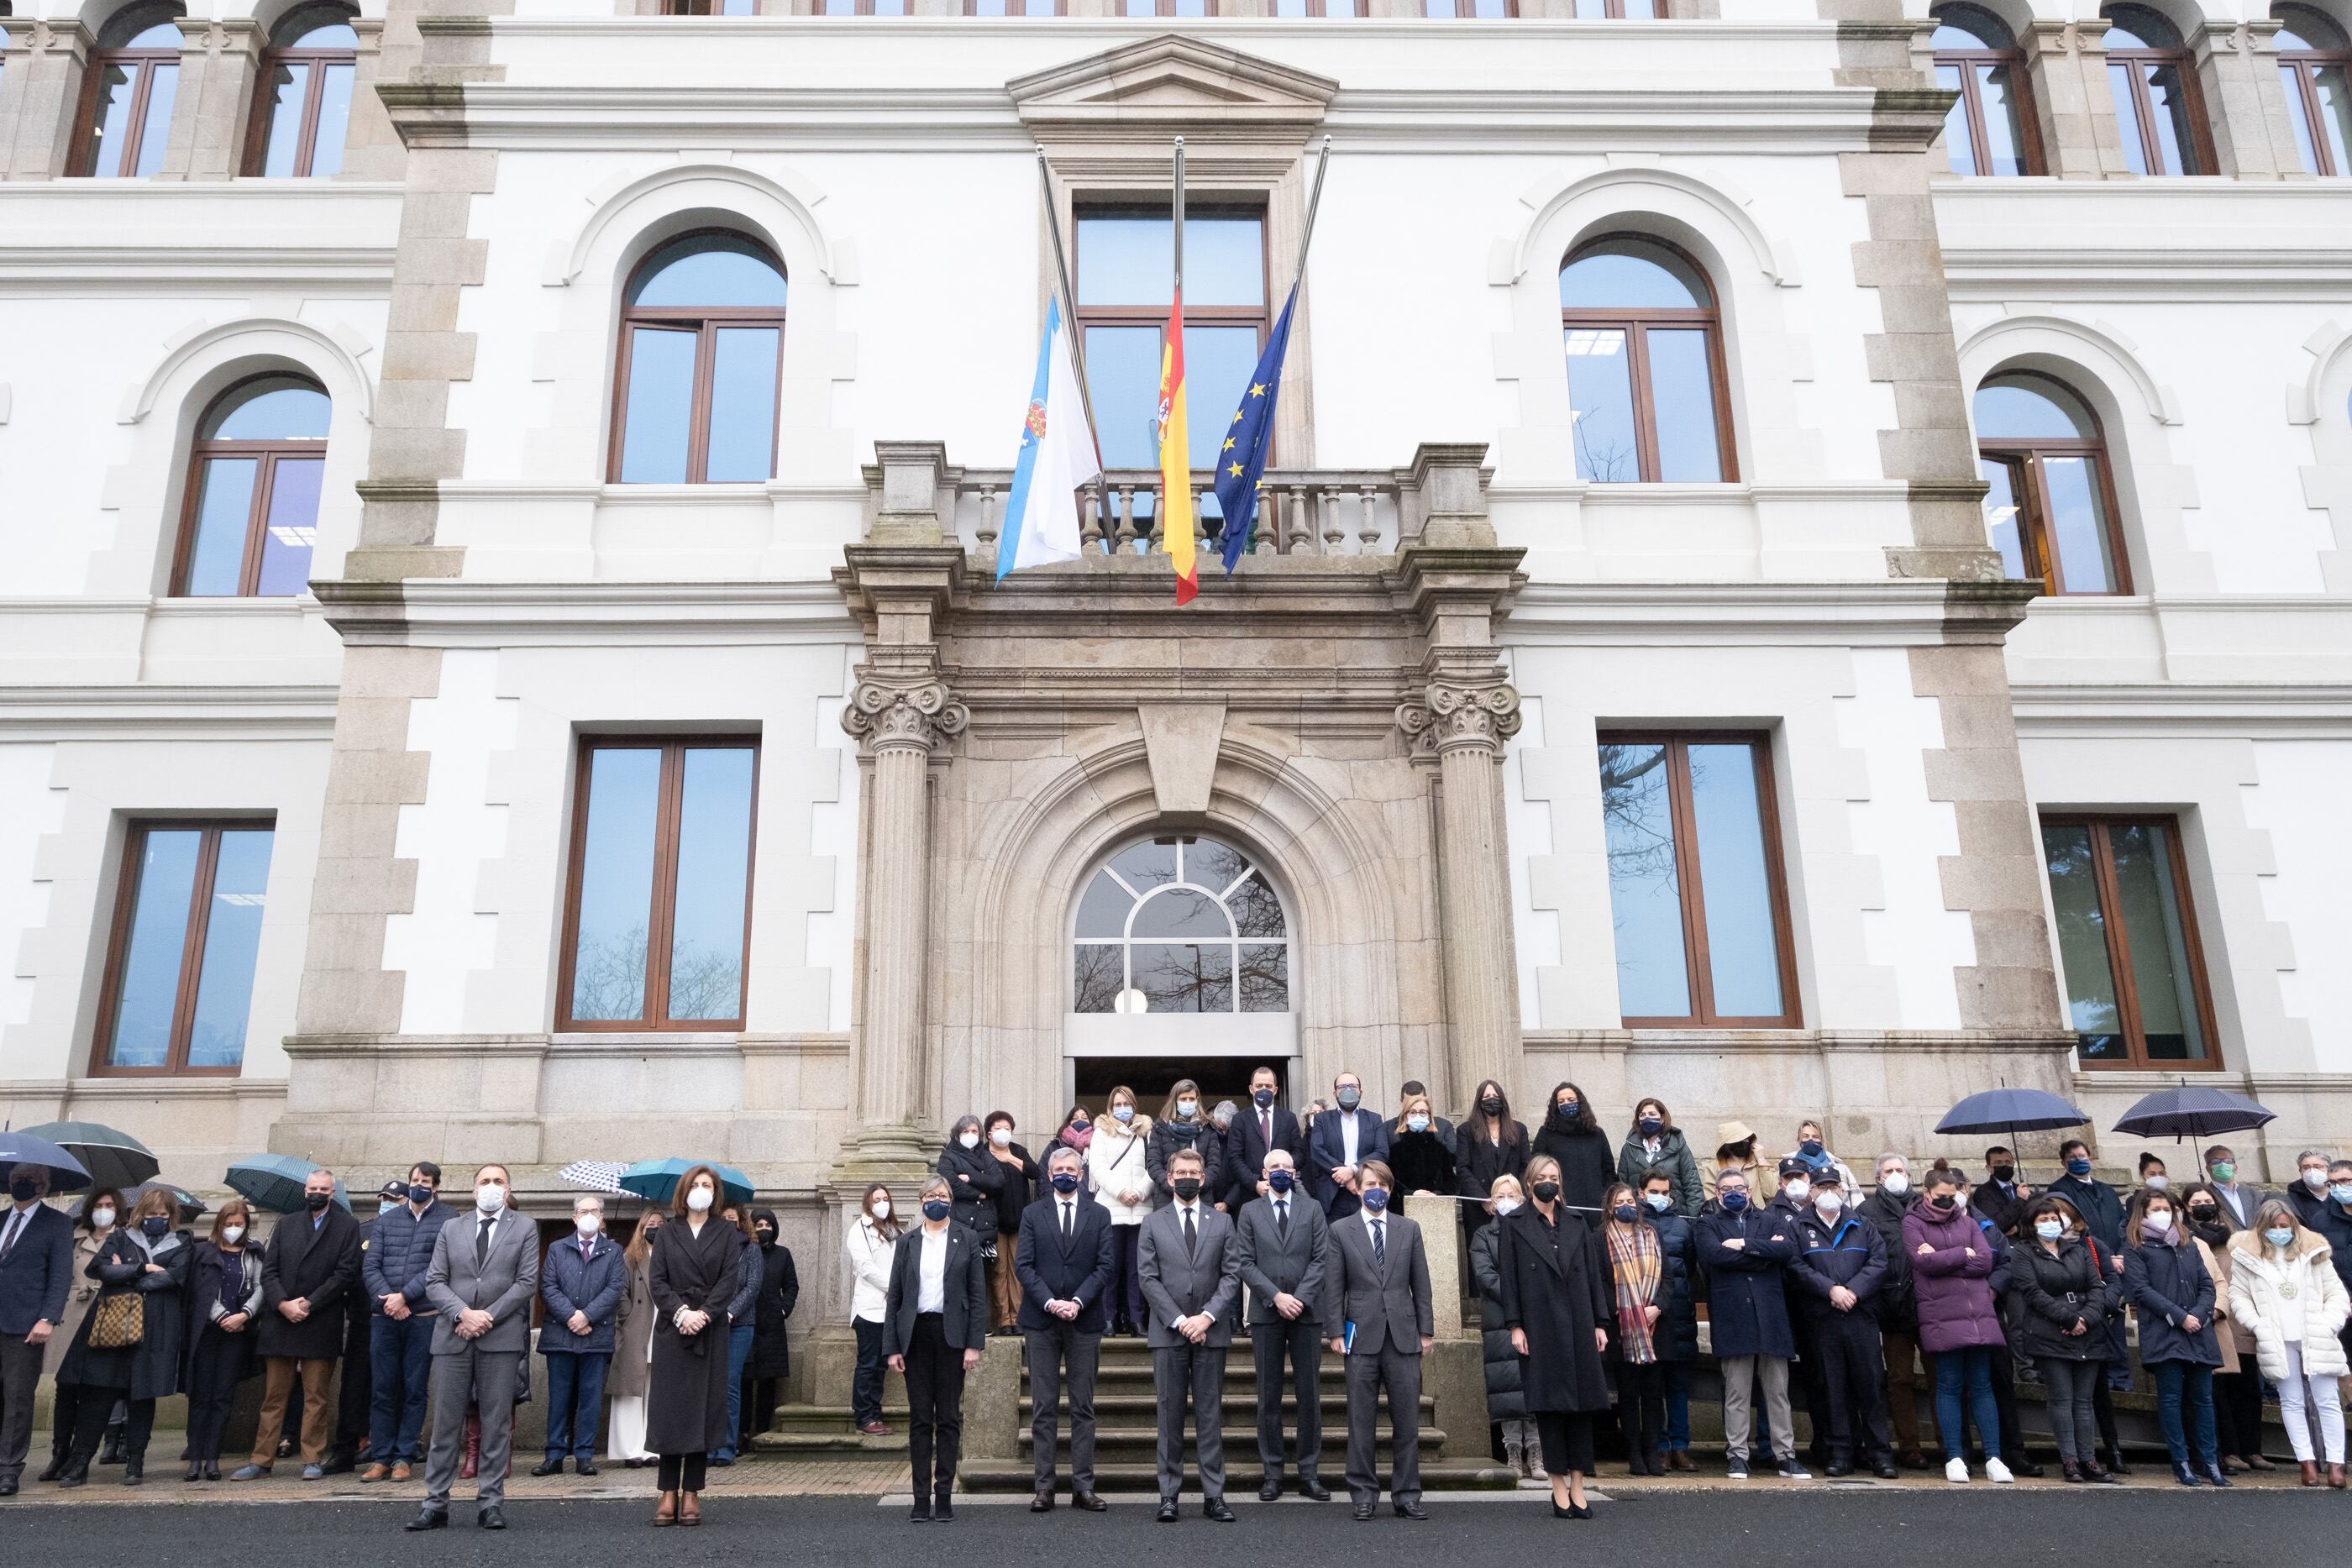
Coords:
1314,200
1179,296
1077,344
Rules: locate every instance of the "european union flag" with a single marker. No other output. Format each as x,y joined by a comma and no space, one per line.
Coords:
1248,442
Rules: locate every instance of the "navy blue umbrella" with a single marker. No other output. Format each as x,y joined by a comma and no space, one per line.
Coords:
2010,1111
2183,1112
66,1174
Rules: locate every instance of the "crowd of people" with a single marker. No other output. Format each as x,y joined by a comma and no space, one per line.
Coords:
359,1328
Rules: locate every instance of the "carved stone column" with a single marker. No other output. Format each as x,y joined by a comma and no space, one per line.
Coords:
1458,583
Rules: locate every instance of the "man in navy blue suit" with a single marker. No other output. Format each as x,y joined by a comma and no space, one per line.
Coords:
1063,1260
1339,1144
36,1263
1261,1128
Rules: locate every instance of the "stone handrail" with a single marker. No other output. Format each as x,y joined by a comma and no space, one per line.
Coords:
1301,511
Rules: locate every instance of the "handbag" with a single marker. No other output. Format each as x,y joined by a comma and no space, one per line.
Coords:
118,1321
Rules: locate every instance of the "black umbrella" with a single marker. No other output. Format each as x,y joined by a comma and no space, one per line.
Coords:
66,1174
114,1159
2183,1112
2012,1111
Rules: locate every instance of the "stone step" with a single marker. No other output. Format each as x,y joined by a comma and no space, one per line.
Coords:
1243,1474
1127,1440
1240,1405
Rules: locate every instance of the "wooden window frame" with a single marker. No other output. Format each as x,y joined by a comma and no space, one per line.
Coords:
2192,100
192,942
1321,8
1635,323
268,454
1168,8
1468,9
1614,11
1051,9
707,322
2102,864
314,92
2303,67
660,927
142,63
2024,457
862,8
707,8
1698,972
1966,61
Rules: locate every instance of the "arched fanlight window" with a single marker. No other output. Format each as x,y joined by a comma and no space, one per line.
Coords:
2051,510
127,95
1646,376
302,106
1990,128
702,345
1181,926
2316,68
252,510
2159,113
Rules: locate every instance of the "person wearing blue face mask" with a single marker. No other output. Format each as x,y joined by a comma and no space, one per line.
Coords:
1654,1143
1383,1320
1119,1162
2284,1290
1184,1124
1285,1244
1814,1150
934,1324
2102,1208
400,1324
1063,1260
1422,1156
150,1260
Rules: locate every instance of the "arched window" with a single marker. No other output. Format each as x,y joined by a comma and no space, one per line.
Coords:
302,109
1181,926
1990,131
252,512
2052,509
2316,66
702,345
1645,377
127,93
2159,113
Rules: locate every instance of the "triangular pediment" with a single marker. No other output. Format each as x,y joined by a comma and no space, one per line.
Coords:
1171,82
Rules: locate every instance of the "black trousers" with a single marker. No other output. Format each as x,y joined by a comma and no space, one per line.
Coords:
90,1424
679,1473
1301,1343
1808,1389
212,1389
1640,1409
759,1403
1124,1300
64,1415
934,1406
354,1390
20,1370
2238,1409
1853,1373
1567,1441
866,1383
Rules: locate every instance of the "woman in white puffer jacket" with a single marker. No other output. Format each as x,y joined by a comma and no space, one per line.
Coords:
2284,1291
1119,1163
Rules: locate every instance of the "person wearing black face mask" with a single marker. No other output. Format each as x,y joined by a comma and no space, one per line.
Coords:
1487,1145
1285,1244
1560,1304
400,1337
771,1351
1338,1143
2237,1385
937,1324
1191,1282
1572,1134
1063,1260
312,1263
1654,1143
2001,1197
1262,1127
149,1259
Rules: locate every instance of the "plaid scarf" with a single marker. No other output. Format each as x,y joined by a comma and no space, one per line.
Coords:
1637,1261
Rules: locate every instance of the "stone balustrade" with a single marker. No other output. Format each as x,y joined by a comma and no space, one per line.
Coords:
1301,511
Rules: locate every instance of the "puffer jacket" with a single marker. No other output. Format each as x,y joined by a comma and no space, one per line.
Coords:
1170,1135
2166,1284
1118,1164
2259,1282
2049,1294
399,1249
1506,1397
1952,1280
1677,1332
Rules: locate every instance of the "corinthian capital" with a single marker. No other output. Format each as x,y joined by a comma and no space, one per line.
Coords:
914,715
1455,715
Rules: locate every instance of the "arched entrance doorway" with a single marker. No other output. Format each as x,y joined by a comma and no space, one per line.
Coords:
1179,968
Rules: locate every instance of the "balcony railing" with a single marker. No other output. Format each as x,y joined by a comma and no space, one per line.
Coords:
1301,511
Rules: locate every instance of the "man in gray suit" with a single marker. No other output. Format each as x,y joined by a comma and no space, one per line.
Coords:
1190,1270
1383,1323
482,1280
1286,1243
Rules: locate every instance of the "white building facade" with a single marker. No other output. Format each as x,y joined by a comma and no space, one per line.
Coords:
1782,588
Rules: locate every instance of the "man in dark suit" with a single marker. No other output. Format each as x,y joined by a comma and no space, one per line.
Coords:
312,1261
1190,1270
482,1280
1064,1260
1339,1144
1381,1320
1261,1128
1284,1245
36,1269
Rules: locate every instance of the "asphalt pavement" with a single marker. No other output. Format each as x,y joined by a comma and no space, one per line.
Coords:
2128,1526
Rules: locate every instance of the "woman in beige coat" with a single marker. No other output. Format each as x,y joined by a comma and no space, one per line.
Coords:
2284,1290
633,1351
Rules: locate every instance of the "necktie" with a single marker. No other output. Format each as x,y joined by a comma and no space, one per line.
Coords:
481,1245
1065,1219
1191,1235
1380,1245
1265,1127
1282,1219
17,1224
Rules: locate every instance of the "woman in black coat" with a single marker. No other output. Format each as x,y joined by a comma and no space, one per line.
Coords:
1422,1161
1557,1297
2173,1298
771,1351
691,1275
2061,1302
224,1292
148,1258
976,1177
935,1347
1489,1144
1184,1124
1572,1134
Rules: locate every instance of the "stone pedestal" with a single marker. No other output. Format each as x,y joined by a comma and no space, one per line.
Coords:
1440,1244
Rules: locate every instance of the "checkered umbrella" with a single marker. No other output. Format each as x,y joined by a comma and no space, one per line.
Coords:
595,1175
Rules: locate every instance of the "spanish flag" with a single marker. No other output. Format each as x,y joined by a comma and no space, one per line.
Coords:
1175,463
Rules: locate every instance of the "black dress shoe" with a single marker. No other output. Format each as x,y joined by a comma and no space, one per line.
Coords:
585,1467
1215,1509
1837,1468
1271,1491
1362,1513
195,1472
7,1486
922,1512
1166,1510
1884,1469
548,1467
491,1518
1313,1490
942,1511
1042,1503
1089,1502
2029,1470
428,1519
1410,1511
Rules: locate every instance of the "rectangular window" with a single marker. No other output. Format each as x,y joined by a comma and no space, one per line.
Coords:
2133,972
187,934
1695,883
659,911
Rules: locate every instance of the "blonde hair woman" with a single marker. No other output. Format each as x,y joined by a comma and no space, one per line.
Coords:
1118,1159
1507,1405
2284,1290
1422,1161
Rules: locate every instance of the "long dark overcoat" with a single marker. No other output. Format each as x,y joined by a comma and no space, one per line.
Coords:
1556,1288
686,1406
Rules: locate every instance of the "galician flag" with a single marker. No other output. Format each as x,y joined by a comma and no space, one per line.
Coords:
1057,457
1175,464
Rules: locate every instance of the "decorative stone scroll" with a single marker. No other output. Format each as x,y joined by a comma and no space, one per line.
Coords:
1451,716
910,715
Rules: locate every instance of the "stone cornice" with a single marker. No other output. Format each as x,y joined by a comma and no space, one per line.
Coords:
1897,612
2183,709
143,711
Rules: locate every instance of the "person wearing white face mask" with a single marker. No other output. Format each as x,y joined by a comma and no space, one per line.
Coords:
870,1239
225,1291
1836,1280
1119,1163
2284,1290
1677,1332
1020,1179
696,1271
976,1177
484,1273
581,1283
2064,1299
1898,1310
1422,1156
1184,1124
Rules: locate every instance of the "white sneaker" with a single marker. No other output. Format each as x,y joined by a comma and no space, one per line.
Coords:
1997,1471
1957,1472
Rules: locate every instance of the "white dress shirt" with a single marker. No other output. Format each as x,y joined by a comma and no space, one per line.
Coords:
932,1272
1351,1136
